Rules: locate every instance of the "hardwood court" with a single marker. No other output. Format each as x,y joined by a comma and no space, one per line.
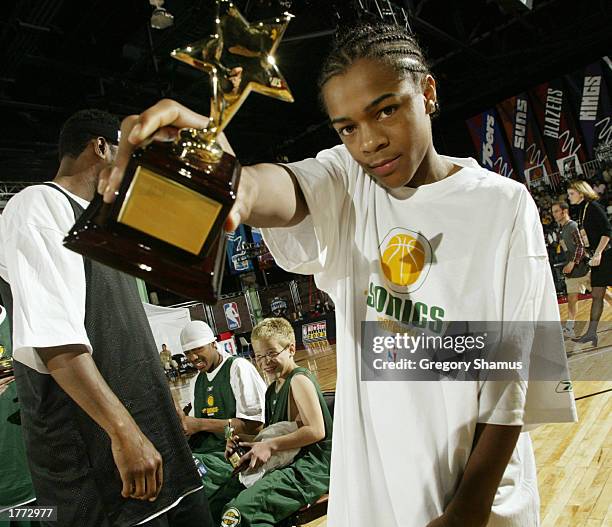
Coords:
574,461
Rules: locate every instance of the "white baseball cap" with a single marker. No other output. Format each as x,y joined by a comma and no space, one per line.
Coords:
196,334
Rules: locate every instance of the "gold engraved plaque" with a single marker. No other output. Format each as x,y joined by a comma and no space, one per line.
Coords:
187,217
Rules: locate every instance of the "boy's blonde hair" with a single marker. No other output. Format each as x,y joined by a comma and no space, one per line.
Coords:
277,328
585,189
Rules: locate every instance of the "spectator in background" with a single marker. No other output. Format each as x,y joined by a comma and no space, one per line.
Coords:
575,270
600,188
596,231
165,355
602,191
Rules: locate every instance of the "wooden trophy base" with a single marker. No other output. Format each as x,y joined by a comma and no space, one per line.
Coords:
166,224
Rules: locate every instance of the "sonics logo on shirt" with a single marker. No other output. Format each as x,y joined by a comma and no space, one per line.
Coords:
212,409
231,518
405,259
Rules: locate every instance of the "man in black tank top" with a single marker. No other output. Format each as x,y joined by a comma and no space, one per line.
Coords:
103,440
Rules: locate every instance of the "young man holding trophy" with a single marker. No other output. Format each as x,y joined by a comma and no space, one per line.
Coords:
365,218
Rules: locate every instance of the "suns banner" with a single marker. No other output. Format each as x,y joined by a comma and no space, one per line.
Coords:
521,130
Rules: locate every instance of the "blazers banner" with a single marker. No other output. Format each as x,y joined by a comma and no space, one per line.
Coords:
562,140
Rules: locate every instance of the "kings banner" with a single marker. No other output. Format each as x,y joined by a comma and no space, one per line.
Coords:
589,92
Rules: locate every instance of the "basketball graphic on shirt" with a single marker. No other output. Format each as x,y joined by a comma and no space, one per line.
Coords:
231,517
405,257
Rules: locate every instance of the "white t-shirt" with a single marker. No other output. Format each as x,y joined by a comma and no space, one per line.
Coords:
399,448
47,281
248,388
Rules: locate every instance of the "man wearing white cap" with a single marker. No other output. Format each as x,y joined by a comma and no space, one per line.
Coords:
227,387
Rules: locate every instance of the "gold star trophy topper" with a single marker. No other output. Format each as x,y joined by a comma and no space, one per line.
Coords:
239,58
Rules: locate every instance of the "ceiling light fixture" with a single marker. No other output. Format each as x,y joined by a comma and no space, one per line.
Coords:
160,19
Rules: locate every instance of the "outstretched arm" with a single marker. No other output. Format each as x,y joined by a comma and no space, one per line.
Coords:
268,195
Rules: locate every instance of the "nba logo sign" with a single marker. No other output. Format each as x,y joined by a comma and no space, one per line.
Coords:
232,316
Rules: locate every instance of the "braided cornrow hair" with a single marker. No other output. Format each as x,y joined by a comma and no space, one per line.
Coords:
388,43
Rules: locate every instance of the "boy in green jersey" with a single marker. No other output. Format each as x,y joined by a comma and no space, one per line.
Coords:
295,396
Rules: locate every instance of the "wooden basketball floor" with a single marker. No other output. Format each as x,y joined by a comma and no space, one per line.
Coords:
574,460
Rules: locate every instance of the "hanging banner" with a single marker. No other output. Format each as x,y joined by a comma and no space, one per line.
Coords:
236,255
530,159
552,110
589,90
265,260
489,141
227,345
232,316
279,307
